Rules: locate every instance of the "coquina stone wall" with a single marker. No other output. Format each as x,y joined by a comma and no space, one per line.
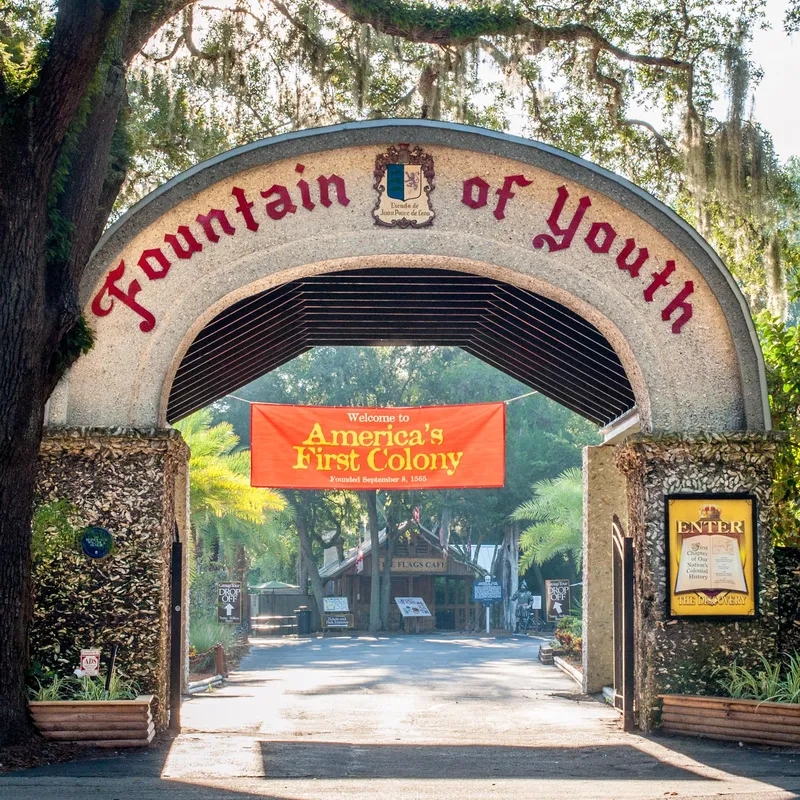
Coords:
787,561
123,480
679,656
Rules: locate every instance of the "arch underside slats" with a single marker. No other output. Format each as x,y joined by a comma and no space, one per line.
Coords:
535,340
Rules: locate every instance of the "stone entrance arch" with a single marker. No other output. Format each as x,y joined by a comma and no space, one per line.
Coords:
603,254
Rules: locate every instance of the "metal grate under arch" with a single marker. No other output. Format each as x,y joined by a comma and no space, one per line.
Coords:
535,340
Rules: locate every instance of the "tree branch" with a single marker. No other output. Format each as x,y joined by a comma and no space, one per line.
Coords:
458,26
168,56
656,135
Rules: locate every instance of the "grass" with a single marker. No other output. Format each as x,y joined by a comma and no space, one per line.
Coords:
776,682
58,688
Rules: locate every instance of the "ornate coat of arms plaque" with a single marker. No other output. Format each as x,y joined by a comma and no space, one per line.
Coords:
404,180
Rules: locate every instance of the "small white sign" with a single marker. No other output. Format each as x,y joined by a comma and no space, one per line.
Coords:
412,606
335,605
90,663
536,601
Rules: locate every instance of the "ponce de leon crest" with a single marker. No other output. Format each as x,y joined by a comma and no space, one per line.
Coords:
404,180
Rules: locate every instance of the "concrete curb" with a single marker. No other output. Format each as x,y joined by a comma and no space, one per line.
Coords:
569,670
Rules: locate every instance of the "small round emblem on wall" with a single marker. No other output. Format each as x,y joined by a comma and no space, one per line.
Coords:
96,542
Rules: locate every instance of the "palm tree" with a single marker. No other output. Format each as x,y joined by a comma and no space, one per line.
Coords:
556,512
229,516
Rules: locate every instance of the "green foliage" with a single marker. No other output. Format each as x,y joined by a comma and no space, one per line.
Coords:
53,531
78,341
781,346
778,682
556,512
25,28
568,633
204,633
55,687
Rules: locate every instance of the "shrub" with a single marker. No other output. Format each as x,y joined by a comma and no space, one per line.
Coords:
204,633
778,683
85,688
568,635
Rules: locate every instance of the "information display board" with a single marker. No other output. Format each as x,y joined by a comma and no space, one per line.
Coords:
487,592
558,599
335,604
711,552
229,602
412,606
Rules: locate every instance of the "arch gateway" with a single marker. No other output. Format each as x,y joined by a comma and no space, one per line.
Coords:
416,232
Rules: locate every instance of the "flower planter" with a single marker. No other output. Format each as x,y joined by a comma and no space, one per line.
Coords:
751,721
100,723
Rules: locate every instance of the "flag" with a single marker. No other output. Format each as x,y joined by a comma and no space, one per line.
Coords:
359,560
416,515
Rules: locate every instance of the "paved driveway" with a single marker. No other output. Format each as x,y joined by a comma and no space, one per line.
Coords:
409,717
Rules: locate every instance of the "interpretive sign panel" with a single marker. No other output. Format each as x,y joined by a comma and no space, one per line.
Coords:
412,606
711,554
433,447
487,592
335,604
229,602
557,599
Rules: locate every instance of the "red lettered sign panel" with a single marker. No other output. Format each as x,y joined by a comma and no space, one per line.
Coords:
433,447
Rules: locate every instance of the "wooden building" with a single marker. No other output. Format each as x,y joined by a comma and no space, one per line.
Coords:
420,568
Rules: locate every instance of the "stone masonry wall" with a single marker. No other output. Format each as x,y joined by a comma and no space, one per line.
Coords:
679,656
122,480
787,562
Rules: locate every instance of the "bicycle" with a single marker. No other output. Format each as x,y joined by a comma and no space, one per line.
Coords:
527,620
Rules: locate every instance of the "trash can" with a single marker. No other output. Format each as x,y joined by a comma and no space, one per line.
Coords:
303,621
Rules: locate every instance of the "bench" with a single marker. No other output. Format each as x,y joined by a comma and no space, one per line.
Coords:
274,625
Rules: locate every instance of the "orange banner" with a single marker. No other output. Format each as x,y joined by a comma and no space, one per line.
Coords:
430,447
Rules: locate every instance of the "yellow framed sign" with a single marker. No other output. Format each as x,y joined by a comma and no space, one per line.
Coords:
711,553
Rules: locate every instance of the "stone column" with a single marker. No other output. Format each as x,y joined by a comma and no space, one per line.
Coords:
604,494
124,480
680,656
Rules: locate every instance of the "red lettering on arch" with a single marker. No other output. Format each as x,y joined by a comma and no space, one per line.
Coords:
468,195
659,280
113,291
283,205
609,234
634,266
206,221
324,189
504,193
154,272
567,234
192,245
679,302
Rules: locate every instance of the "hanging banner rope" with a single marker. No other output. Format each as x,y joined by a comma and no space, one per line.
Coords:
429,447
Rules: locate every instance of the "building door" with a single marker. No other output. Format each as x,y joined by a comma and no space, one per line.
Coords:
623,623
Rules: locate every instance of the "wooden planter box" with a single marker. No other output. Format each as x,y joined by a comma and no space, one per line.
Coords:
750,721
100,723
